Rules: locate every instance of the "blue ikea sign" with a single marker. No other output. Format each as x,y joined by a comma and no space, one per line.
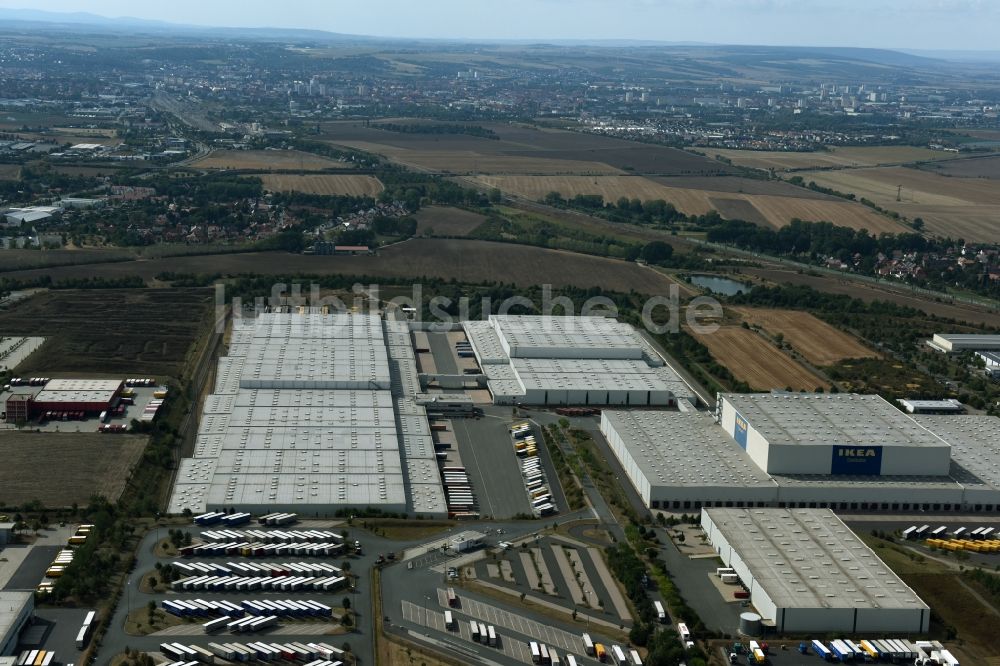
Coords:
740,432
857,460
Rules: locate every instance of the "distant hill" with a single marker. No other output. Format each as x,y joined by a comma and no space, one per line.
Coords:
28,19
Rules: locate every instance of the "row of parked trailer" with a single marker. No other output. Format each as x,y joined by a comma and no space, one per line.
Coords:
254,583
925,532
919,653
241,518
253,607
310,654
539,495
458,490
36,658
271,536
272,569
258,549
83,635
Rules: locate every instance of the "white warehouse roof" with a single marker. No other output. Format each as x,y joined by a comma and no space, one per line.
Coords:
808,558
818,418
303,419
79,390
681,449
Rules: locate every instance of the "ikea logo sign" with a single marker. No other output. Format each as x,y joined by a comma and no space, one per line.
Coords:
857,453
740,431
861,460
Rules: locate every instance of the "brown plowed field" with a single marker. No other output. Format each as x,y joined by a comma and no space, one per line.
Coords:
447,221
325,184
847,156
518,149
464,260
756,361
88,464
264,160
820,343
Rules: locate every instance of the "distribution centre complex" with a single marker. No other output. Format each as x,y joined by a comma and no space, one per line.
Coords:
842,451
806,571
542,360
314,413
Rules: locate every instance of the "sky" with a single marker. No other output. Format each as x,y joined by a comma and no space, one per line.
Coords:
910,24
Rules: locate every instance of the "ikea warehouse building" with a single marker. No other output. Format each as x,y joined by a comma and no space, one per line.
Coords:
539,360
808,572
838,451
314,413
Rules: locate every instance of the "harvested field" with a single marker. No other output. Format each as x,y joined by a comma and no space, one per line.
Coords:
869,292
446,221
779,211
110,332
267,160
10,171
692,202
774,210
464,260
756,361
847,156
738,185
919,186
819,342
956,207
977,167
89,464
325,184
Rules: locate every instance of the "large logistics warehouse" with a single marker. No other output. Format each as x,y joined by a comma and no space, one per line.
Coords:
16,609
808,572
313,413
686,460
539,360
953,343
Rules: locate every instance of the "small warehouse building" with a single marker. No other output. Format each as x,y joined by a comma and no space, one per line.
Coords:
16,610
806,571
17,409
954,343
946,406
83,395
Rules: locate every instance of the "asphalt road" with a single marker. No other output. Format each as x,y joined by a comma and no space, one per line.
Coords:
62,626
419,586
444,355
32,570
489,460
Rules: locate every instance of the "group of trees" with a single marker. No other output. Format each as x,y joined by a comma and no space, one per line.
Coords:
664,644
415,189
634,211
819,239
